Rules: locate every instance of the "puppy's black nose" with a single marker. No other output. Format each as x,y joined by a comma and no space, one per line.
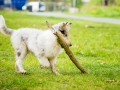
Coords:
70,44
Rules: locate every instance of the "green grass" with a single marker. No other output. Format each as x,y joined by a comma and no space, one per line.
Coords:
99,11
97,49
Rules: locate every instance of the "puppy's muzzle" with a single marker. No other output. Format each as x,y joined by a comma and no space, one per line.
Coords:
68,42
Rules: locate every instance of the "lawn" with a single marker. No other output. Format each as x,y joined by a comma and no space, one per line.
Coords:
99,11
95,45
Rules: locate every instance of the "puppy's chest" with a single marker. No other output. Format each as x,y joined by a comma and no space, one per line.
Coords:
53,50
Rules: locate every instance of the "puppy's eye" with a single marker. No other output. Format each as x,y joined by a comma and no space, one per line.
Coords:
63,32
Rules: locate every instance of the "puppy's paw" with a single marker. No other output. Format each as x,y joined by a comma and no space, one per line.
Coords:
22,72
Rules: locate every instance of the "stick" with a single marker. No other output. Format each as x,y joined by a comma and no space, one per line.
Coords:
67,50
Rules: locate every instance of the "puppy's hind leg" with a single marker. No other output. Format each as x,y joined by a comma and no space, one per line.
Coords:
20,55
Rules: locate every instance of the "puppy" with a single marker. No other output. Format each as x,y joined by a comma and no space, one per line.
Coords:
43,44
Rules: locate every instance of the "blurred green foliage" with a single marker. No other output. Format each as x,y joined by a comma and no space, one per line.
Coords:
78,3
110,2
96,8
118,3
96,2
100,11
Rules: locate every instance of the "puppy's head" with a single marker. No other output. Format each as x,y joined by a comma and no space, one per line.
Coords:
63,27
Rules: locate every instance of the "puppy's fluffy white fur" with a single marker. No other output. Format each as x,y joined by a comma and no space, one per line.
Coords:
43,44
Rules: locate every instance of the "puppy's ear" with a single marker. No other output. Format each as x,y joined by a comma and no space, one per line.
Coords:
64,25
70,23
67,23
50,27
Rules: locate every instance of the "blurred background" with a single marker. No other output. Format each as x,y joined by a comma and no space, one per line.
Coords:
106,8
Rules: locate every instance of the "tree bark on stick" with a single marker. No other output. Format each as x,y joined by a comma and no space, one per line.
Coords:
68,52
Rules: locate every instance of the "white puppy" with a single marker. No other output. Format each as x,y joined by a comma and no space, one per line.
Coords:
43,44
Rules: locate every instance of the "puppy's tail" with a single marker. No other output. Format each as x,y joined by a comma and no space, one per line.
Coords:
3,27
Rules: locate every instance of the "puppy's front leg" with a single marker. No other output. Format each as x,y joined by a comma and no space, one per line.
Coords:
53,67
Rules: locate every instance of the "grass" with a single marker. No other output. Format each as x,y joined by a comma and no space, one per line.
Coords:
97,47
99,11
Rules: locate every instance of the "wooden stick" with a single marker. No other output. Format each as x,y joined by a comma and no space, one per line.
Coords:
62,42
68,52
